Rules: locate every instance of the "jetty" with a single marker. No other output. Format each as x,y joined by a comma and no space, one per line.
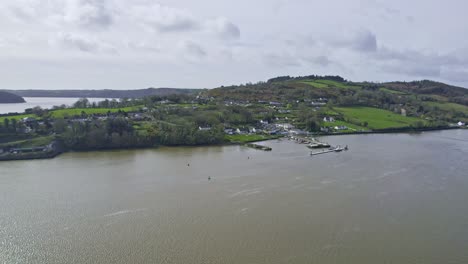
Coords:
259,147
315,144
335,149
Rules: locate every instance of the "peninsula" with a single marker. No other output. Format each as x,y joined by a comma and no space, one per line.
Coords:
9,98
282,106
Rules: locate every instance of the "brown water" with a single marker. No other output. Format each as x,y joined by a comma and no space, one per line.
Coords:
390,199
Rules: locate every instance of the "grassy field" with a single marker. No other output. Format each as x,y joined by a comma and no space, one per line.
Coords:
352,127
33,142
391,91
324,84
248,138
17,117
315,84
450,107
377,118
89,111
71,112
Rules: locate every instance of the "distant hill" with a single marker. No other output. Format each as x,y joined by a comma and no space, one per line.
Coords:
288,88
102,93
9,98
442,90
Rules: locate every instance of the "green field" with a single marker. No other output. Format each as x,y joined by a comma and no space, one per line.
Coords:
33,142
391,91
70,112
450,107
315,84
377,118
17,117
352,127
325,84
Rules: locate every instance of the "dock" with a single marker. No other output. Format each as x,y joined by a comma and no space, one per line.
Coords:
259,147
315,144
335,149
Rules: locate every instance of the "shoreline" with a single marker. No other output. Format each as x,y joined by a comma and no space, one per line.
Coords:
51,155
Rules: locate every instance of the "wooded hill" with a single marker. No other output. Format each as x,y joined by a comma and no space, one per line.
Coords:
8,98
103,93
429,99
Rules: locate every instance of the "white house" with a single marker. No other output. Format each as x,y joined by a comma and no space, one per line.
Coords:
328,119
461,123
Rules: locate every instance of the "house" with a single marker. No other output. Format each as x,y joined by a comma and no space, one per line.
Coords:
340,127
461,124
285,126
328,119
264,122
229,131
204,128
275,103
297,132
403,112
325,129
317,103
28,120
252,130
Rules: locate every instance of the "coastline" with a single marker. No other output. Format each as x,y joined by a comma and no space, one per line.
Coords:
54,154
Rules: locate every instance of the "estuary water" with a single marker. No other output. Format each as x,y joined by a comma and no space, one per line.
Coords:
393,198
43,102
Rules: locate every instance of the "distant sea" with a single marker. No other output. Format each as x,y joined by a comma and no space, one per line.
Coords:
43,102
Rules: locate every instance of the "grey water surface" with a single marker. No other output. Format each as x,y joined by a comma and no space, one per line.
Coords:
392,198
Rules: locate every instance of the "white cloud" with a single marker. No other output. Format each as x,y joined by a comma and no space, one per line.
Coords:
88,13
224,28
75,42
164,18
192,49
241,41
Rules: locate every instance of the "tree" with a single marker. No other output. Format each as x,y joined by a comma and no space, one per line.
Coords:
13,124
60,125
81,103
6,123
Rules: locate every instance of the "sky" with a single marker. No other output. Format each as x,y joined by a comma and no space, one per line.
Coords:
132,44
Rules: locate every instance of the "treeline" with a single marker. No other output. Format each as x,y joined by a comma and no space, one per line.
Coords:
308,77
117,133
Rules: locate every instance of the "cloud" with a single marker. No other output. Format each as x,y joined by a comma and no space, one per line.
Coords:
165,19
88,13
80,42
23,10
143,46
224,28
365,41
192,49
281,60
455,75
361,41
413,69
319,60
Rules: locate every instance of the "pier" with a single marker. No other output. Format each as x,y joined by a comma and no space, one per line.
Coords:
335,149
259,147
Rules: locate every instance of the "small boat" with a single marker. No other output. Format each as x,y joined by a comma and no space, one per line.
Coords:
338,149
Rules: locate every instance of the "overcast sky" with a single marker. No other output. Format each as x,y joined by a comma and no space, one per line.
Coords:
129,44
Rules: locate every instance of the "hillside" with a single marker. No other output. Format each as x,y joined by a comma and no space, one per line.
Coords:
425,99
8,98
441,91
103,93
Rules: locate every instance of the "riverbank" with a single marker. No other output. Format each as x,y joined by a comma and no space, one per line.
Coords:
249,143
